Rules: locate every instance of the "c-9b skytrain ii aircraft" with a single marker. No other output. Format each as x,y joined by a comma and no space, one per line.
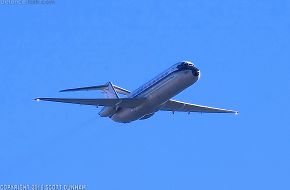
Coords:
151,97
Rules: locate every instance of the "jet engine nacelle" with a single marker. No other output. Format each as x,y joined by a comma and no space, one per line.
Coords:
107,111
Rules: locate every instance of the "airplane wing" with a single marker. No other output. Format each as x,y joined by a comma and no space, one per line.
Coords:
120,102
173,105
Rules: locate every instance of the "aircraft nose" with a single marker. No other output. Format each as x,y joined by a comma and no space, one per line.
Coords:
196,72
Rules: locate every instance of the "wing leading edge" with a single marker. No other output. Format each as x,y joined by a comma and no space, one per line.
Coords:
173,105
120,102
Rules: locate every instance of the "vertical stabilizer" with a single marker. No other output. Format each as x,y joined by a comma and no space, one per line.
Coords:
110,91
110,94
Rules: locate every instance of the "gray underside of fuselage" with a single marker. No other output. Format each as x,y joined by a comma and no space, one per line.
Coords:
156,95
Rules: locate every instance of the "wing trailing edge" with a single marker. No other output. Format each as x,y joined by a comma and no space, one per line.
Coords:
173,105
116,102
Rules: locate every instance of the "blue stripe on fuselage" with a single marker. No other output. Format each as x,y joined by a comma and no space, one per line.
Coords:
152,82
175,68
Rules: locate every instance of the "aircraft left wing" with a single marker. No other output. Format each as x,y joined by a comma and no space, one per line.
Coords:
173,105
120,102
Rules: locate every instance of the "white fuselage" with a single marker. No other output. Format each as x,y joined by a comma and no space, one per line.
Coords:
157,92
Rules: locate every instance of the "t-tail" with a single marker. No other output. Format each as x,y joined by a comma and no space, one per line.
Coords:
110,94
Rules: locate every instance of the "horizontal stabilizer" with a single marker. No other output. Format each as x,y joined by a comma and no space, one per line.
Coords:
120,102
100,87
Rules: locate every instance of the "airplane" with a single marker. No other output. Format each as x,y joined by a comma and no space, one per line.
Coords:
148,99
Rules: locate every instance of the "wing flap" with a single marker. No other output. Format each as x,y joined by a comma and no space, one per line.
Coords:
173,105
120,102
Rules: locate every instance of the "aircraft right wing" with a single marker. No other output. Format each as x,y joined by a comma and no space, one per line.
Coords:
120,102
173,105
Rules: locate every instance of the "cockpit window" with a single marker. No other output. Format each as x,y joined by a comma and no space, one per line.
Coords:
187,63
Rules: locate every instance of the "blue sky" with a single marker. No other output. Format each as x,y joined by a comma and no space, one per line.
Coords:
241,47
